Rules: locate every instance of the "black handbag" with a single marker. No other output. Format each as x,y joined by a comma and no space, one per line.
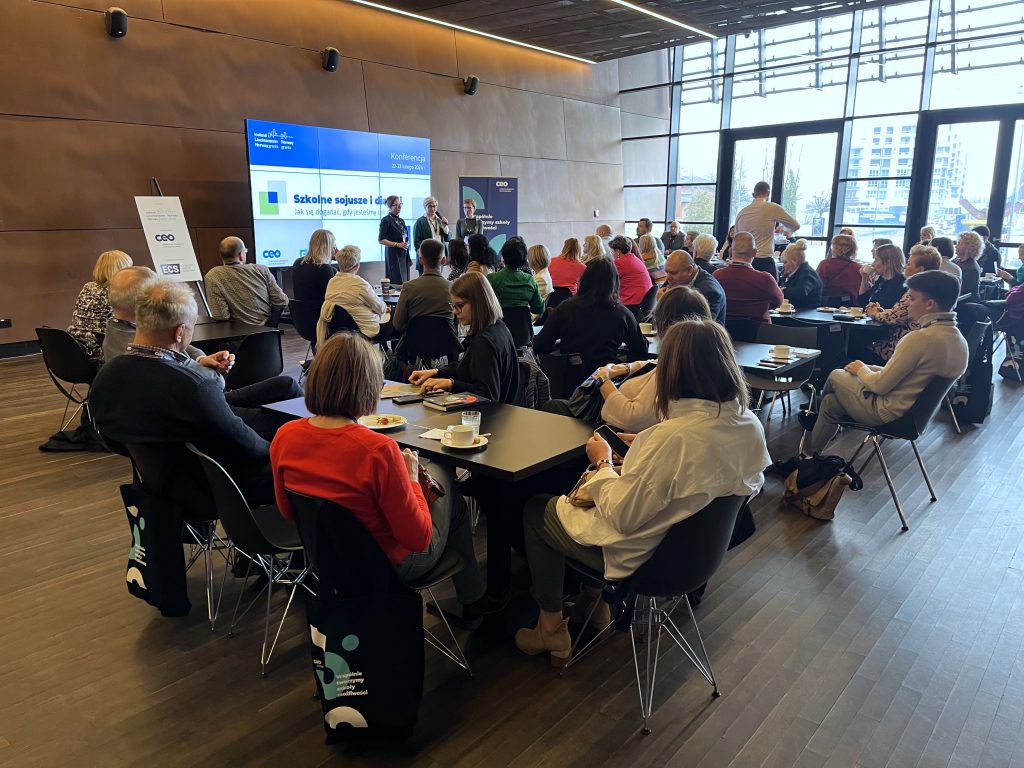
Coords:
366,636
156,563
586,402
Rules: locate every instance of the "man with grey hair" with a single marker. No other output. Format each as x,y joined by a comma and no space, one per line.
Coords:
124,290
750,293
248,293
703,250
969,247
673,238
154,394
682,270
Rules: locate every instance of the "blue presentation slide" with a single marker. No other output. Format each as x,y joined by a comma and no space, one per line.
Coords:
303,178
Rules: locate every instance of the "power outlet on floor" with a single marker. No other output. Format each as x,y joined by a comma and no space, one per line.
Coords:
5,322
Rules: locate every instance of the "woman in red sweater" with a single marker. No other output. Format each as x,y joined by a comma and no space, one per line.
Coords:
634,279
566,269
839,273
331,456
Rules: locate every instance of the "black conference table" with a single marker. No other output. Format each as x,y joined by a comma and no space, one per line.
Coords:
522,443
751,356
210,334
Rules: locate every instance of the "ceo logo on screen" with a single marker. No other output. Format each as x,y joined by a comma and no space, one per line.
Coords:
164,238
271,254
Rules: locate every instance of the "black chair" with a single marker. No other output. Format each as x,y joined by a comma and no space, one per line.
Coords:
305,316
170,470
350,555
742,328
793,336
557,296
275,317
685,559
647,304
341,320
258,359
519,321
428,339
909,426
67,362
264,537
565,372
843,300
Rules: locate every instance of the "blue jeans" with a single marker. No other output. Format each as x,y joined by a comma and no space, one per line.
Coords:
450,519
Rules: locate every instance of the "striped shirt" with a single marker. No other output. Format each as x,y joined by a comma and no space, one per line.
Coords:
245,293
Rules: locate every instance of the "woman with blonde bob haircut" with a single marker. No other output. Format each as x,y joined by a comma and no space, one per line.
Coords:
331,456
594,248
539,259
664,479
488,365
311,273
839,273
92,307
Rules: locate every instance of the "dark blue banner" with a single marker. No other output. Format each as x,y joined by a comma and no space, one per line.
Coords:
497,205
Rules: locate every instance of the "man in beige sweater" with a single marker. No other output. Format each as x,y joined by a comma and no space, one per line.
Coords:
871,394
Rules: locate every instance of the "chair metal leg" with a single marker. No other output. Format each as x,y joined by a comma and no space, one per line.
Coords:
888,480
920,463
211,611
645,687
760,399
592,643
771,407
266,622
265,657
458,656
703,665
238,602
952,413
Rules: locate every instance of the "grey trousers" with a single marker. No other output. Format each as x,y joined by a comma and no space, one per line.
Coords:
450,519
547,546
844,398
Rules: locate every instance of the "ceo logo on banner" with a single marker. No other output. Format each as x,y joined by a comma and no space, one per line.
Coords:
164,238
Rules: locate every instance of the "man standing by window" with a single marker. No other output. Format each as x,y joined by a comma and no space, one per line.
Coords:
759,219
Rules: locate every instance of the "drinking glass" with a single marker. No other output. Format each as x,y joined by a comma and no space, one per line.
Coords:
472,419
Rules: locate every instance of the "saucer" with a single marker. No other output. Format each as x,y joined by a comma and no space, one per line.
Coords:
786,311
390,422
479,443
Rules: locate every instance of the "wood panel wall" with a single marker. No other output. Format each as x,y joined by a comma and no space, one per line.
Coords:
85,121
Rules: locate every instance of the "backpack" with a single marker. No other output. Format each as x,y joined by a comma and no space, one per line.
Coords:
972,398
818,483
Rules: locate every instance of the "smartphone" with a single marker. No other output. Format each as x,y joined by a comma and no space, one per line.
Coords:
407,399
619,446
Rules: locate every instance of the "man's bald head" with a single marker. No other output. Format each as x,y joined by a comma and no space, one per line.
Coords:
743,248
603,230
231,248
680,268
124,289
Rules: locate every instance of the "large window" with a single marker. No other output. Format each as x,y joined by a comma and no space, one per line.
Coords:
918,106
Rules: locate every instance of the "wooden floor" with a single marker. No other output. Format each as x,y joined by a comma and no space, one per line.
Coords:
835,644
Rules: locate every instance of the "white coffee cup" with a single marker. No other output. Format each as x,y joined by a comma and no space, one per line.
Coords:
646,328
460,434
786,306
780,350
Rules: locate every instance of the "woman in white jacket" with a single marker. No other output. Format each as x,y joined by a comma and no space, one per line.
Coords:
708,445
352,293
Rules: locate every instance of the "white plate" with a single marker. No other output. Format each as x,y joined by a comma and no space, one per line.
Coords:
650,334
478,442
394,422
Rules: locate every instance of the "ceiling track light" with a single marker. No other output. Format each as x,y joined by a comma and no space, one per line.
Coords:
647,11
469,31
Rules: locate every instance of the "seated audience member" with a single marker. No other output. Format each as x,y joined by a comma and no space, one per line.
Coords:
922,259
634,279
348,291
458,259
800,284
566,268
839,272
703,250
969,246
882,281
872,394
673,239
848,231
646,227
604,232
92,310
368,475
665,478
691,235
154,393
512,284
488,365
652,258
927,235
311,273
1018,278
947,251
428,295
682,269
725,252
633,407
539,259
594,248
989,258
594,323
246,293
749,293
124,290
482,258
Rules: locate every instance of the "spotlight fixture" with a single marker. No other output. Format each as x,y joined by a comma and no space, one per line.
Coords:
469,31
330,58
470,84
116,21
660,17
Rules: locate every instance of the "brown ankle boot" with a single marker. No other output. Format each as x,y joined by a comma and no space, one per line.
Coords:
536,640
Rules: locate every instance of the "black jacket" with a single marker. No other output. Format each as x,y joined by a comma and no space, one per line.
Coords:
802,288
595,333
488,367
885,292
705,283
970,272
